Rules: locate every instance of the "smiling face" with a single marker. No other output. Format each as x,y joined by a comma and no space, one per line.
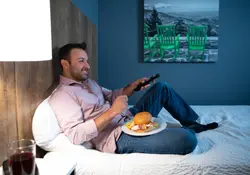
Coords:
76,66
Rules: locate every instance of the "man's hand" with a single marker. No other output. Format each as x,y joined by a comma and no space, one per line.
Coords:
119,105
137,82
128,90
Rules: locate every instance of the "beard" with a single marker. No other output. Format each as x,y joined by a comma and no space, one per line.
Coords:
80,75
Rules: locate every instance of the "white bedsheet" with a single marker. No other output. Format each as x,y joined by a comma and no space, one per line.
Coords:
225,150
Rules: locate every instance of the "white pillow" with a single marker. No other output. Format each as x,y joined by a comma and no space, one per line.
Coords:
45,127
47,132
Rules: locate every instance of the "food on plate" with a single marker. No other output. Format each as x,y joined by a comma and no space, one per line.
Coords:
142,122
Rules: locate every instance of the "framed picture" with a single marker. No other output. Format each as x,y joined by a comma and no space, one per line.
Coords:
181,31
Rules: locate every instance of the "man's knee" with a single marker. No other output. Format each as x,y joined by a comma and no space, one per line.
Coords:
189,141
161,85
175,141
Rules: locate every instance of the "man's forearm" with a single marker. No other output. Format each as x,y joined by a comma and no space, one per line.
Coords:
103,120
128,90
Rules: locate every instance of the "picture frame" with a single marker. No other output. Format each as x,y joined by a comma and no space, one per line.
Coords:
180,31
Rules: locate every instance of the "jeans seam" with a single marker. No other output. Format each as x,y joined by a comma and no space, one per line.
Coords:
156,99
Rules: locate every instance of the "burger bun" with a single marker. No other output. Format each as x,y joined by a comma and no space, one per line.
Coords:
142,118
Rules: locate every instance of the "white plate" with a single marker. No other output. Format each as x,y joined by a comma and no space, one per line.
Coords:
162,126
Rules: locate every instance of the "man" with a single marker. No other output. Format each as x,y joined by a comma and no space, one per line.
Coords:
89,113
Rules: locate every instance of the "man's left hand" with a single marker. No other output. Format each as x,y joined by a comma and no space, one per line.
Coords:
137,82
128,90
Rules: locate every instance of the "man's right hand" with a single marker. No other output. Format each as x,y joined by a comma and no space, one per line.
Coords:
119,105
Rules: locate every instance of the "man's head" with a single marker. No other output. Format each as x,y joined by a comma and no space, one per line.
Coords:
74,61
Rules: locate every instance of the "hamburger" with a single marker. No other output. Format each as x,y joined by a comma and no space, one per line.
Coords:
142,122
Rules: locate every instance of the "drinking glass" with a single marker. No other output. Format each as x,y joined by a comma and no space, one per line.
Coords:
21,157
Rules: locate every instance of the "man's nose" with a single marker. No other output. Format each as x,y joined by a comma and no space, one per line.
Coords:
86,64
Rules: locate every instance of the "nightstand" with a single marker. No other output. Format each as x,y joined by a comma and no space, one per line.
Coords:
54,163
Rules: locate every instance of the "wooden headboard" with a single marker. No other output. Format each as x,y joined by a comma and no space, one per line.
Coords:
23,84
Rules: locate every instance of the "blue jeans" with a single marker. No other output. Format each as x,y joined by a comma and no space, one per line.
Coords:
169,141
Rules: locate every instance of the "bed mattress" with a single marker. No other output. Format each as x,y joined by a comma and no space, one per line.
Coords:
225,150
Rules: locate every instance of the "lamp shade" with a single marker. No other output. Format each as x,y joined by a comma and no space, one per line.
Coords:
25,30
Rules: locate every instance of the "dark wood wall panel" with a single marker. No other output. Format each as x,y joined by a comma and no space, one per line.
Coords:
8,122
23,84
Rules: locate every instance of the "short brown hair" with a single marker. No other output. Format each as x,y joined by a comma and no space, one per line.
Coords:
64,51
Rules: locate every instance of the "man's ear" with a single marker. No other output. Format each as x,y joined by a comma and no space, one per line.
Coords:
64,63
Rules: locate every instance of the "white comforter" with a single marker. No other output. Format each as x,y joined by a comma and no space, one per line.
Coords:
225,150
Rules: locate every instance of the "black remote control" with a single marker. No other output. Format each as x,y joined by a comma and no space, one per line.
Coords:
146,82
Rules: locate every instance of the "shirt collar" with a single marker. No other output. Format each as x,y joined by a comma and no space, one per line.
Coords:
68,81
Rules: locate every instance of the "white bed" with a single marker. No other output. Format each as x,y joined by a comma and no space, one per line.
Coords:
225,150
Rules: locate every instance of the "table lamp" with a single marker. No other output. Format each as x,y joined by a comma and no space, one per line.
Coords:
25,30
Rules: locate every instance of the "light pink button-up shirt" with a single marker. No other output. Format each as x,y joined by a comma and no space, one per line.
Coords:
76,105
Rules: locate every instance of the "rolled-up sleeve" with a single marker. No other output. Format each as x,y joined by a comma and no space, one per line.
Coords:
70,118
110,95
